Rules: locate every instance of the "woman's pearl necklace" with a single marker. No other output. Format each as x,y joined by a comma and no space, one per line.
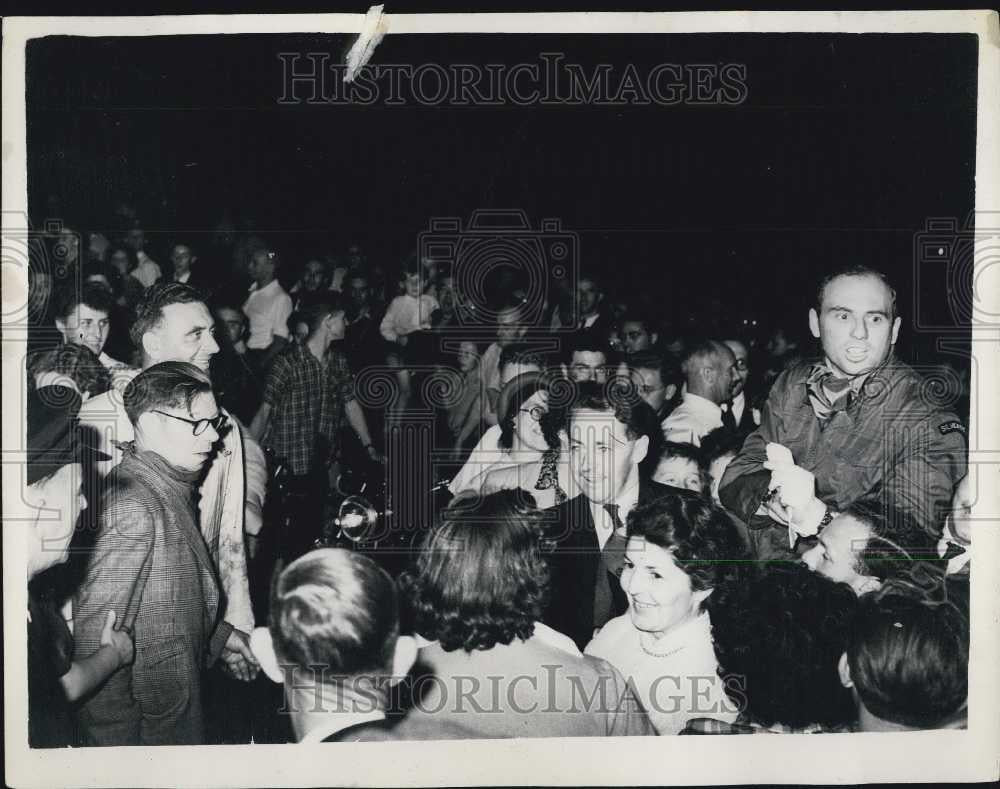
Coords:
651,653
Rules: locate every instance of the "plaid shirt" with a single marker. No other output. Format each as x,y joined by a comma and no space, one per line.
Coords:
307,400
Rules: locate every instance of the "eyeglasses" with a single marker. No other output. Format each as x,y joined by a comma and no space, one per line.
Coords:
647,389
741,364
536,412
199,426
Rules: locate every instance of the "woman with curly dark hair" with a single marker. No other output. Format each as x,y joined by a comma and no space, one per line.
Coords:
778,638
681,549
476,598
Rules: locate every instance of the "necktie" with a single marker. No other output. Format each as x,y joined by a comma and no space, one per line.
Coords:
612,563
728,417
952,551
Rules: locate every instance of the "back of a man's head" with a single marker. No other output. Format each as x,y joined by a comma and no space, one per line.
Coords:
336,610
908,654
704,370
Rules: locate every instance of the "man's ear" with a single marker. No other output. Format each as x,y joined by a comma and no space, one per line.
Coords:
403,657
640,449
263,649
671,390
653,337
814,322
151,345
895,330
844,670
61,326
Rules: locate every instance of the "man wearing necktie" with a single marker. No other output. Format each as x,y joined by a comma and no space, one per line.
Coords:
862,422
611,434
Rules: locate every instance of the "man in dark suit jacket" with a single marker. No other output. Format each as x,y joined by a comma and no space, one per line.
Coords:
613,437
150,565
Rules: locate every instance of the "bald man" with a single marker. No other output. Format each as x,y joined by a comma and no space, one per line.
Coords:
709,369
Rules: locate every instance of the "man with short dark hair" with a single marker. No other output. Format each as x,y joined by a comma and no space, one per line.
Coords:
587,357
151,566
267,308
858,420
657,378
863,546
173,324
709,369
611,434
83,318
907,661
638,333
333,641
308,392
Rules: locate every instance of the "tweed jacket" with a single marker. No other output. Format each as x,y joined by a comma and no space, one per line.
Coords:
150,565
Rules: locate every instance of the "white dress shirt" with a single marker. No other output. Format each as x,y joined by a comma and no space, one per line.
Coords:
268,310
695,417
603,523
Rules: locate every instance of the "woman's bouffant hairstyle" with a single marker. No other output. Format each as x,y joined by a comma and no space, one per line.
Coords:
480,579
699,535
778,640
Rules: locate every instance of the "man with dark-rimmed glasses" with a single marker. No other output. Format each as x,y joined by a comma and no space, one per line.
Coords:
173,324
150,565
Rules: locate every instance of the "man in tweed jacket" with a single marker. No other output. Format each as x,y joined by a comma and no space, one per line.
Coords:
173,324
151,566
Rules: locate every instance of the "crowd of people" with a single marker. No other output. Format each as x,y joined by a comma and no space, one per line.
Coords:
653,528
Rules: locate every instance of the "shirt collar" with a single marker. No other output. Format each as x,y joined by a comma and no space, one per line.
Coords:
339,721
272,285
699,403
739,400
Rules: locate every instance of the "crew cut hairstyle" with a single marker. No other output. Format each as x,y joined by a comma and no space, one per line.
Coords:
700,536
480,579
334,609
91,295
909,649
164,385
778,641
854,270
149,310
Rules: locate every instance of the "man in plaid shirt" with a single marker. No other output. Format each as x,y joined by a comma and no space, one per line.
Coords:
308,392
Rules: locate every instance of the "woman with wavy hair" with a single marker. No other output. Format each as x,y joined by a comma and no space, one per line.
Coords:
476,597
682,549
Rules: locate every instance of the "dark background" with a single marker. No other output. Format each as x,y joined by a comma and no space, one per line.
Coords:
845,146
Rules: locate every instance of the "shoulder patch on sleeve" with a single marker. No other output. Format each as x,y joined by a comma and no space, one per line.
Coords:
954,426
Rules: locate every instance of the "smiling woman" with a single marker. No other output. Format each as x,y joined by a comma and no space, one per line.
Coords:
681,548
